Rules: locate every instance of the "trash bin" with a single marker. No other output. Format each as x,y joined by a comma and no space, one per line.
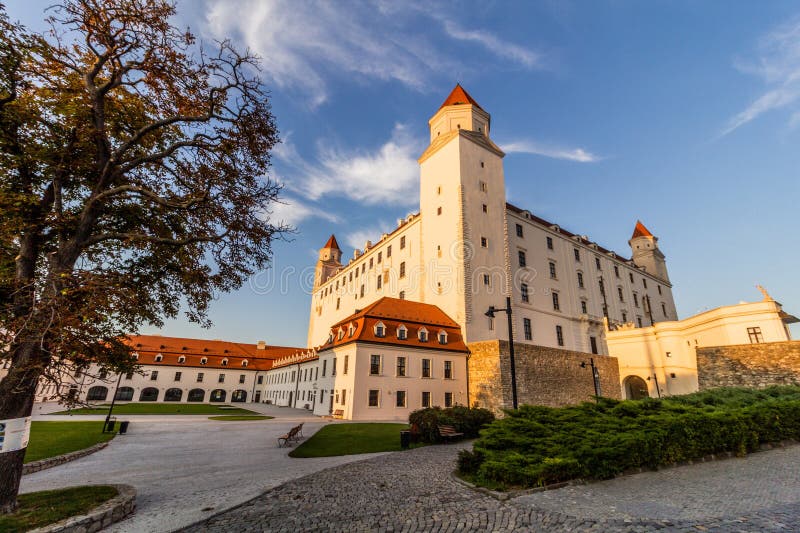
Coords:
405,439
110,426
123,427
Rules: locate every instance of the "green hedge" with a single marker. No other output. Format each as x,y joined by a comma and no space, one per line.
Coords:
534,446
466,420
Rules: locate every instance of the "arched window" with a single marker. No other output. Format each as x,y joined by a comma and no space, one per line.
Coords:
149,394
124,394
97,393
173,395
402,332
350,330
224,362
182,359
159,358
204,360
217,395
380,330
340,334
244,363
422,334
196,395
239,396
442,336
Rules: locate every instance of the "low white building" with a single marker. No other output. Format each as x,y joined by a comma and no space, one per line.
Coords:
661,360
380,363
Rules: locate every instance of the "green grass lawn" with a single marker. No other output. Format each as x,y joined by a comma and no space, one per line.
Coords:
237,418
349,439
161,409
49,439
39,509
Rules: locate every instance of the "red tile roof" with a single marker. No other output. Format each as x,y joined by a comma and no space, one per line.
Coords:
459,96
332,243
640,231
213,351
392,313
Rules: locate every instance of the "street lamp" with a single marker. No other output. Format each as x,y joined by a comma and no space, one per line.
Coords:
490,313
111,407
595,376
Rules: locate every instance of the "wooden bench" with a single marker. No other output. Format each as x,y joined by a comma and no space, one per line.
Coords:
339,413
294,435
448,433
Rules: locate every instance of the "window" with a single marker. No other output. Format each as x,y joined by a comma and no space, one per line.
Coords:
379,280
333,367
526,327
362,291
448,370
659,290
580,280
346,361
616,270
370,263
755,335
524,291
380,330
593,345
448,399
663,309
199,377
635,299
442,337
221,378
374,397
338,302
401,367
519,230
552,270
403,269
177,376
154,375
402,295
630,275
583,307
426,399
486,279
484,242
374,365
159,358
422,335
639,321
182,359
260,380
644,283
597,262
242,377
482,186
324,367
380,257
400,398
560,335
438,210
388,251
344,395
426,368
624,317
577,254
224,362
402,332
556,304
402,242
522,259
549,243
619,293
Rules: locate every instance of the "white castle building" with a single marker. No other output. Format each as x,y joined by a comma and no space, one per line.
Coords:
467,249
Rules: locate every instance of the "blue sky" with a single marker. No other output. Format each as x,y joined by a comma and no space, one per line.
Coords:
683,114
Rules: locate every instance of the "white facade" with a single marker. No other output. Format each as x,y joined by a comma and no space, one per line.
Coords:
666,352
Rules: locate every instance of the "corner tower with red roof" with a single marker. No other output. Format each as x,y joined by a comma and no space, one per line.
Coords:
646,253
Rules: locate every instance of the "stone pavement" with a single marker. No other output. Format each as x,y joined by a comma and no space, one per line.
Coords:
413,491
186,468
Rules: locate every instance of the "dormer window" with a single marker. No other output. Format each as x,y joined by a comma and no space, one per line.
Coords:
351,330
340,334
442,337
380,330
136,355
159,358
422,335
224,362
402,332
182,359
204,360
330,337
244,363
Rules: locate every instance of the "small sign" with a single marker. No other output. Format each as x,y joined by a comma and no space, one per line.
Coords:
14,434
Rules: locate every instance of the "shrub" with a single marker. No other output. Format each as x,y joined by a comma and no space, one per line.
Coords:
466,420
537,445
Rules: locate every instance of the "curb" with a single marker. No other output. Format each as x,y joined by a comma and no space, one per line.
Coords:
503,496
114,510
50,462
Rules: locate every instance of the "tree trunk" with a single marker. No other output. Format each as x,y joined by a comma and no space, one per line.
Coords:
17,390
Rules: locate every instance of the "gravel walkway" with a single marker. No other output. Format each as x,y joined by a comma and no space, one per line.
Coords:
413,491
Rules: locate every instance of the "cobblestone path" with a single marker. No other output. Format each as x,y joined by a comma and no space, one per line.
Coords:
413,491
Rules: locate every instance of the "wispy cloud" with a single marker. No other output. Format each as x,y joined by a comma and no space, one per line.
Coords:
778,64
358,238
531,147
388,175
292,212
304,45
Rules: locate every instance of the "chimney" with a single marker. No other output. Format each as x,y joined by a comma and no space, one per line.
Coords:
262,345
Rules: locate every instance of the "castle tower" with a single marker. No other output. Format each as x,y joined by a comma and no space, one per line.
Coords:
329,261
646,254
462,203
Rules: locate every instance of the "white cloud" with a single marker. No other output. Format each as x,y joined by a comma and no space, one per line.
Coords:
531,147
387,175
303,44
778,64
291,211
358,238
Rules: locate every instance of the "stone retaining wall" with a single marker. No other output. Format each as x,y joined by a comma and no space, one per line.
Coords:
50,462
545,376
749,365
102,516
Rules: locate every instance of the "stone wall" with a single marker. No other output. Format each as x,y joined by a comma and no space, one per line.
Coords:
545,376
749,365
44,464
117,508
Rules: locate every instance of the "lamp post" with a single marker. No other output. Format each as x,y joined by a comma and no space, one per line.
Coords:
490,313
111,407
649,308
595,376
